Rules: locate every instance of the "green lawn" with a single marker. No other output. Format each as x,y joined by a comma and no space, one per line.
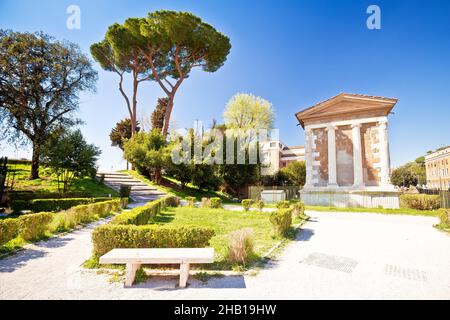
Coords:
414,212
48,182
173,187
224,222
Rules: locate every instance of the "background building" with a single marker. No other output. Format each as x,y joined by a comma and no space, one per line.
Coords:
279,156
437,166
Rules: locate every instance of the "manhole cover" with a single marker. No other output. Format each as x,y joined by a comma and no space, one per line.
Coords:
405,273
338,263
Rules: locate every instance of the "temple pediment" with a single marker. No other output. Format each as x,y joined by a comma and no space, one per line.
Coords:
346,106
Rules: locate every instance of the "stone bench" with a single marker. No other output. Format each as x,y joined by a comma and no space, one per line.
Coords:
134,258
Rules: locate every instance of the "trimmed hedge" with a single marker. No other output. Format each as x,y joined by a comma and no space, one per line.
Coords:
298,209
283,204
420,201
110,236
142,215
9,229
33,226
31,195
69,219
444,217
247,204
52,205
216,203
281,221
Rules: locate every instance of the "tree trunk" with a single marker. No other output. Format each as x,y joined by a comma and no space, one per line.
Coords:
168,114
34,174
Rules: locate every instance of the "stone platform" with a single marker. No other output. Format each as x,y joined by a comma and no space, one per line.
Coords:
353,199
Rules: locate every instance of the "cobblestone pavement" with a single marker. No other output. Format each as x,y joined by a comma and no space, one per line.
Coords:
336,256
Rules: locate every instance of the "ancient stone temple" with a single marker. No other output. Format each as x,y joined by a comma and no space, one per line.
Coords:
347,152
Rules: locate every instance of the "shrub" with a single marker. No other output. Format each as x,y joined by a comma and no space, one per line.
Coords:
283,205
240,247
420,201
142,215
125,191
110,236
215,203
52,205
298,209
247,204
259,205
281,221
69,219
9,229
444,217
191,201
33,226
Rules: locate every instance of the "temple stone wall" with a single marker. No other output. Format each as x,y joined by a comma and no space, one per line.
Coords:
344,156
371,154
320,152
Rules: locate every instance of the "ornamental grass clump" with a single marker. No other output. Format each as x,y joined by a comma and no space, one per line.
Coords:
191,201
241,247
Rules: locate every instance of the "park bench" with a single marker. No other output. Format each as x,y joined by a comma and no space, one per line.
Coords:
134,258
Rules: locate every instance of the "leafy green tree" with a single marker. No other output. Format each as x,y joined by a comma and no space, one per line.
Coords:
40,82
119,53
246,111
148,152
159,114
295,172
70,157
122,132
174,43
411,174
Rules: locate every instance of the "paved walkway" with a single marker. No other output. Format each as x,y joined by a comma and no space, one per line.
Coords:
337,256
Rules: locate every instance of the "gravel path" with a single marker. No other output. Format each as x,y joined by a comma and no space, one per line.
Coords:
336,256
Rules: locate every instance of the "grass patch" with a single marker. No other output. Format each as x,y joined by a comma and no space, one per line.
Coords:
173,187
205,276
49,183
224,222
414,212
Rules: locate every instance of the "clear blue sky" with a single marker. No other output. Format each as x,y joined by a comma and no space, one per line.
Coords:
293,53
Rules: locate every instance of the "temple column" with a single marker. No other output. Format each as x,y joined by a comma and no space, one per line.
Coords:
357,156
332,176
384,154
309,158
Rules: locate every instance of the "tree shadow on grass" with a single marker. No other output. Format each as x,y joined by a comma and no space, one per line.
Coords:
164,217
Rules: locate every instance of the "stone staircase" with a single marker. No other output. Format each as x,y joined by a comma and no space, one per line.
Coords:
140,191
